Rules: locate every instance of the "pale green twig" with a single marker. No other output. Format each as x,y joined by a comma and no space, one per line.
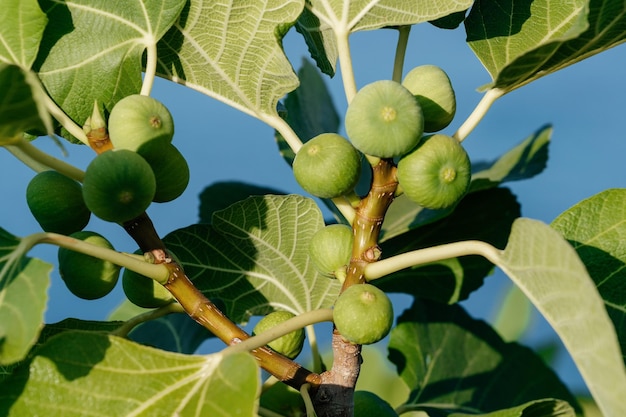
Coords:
308,404
479,112
65,120
315,352
133,322
150,72
398,62
345,62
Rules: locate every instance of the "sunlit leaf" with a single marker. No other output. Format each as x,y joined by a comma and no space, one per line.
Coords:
323,19
94,49
548,270
596,227
231,51
253,257
23,296
448,358
23,24
86,372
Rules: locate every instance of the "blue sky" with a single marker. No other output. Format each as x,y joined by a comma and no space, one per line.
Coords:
584,103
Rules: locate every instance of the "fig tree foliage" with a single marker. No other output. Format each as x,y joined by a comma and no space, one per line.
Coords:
395,201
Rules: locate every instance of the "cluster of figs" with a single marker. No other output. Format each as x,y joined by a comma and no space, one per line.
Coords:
118,186
398,122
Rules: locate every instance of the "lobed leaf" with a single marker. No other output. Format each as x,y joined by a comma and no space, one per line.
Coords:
322,20
253,257
453,362
22,27
23,296
94,49
77,372
596,228
232,51
548,270
521,41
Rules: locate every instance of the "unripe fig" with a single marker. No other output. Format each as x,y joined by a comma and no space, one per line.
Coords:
138,120
327,166
363,314
436,174
289,345
56,202
331,248
384,120
433,91
119,185
85,276
171,171
368,404
143,291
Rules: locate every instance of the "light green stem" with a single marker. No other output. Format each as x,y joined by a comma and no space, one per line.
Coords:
65,120
266,412
39,160
398,62
158,272
286,327
306,397
315,352
131,323
479,112
345,61
278,123
428,255
345,208
150,73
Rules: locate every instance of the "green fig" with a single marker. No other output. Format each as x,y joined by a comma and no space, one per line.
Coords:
363,314
384,120
437,173
143,291
327,166
119,185
56,202
289,345
368,404
433,91
330,248
171,171
137,121
86,276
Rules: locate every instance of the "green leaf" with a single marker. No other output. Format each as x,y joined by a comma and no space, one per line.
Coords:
486,215
22,27
538,408
232,52
596,227
23,286
94,49
253,257
174,333
520,41
548,270
21,104
77,372
446,357
522,162
323,19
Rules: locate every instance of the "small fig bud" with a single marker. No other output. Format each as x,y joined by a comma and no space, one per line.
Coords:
331,248
327,166
289,345
384,120
437,173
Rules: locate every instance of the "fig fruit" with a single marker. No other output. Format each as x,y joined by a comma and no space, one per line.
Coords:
289,345
437,173
143,291
384,120
137,121
330,248
433,91
56,202
363,314
368,404
119,185
327,166
171,171
86,276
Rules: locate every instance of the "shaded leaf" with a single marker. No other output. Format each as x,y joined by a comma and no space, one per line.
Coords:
94,49
174,332
23,296
253,257
447,357
232,51
22,27
76,371
323,19
548,270
451,21
486,215
538,408
596,227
